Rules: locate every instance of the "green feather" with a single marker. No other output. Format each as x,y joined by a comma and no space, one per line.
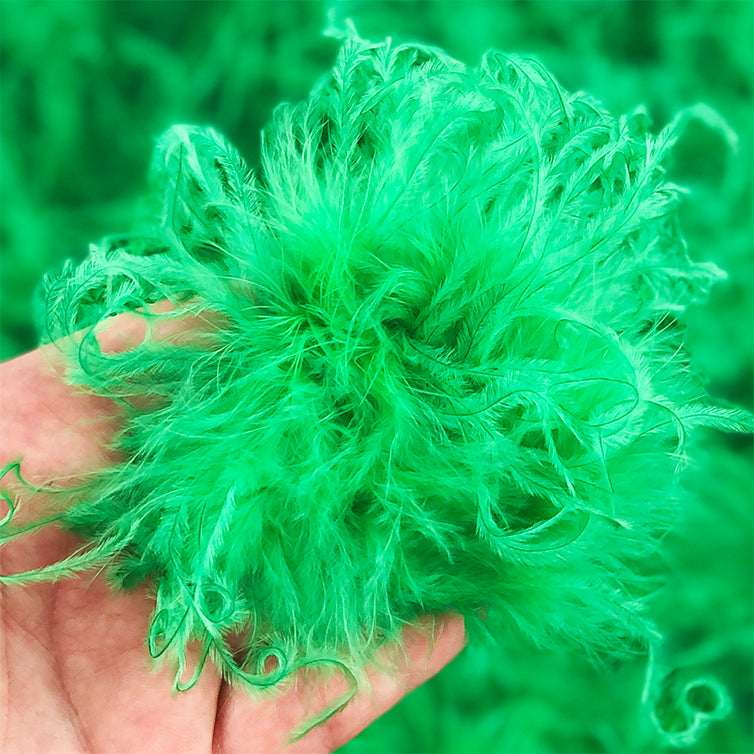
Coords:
449,373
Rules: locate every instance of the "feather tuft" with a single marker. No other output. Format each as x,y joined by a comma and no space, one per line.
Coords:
450,374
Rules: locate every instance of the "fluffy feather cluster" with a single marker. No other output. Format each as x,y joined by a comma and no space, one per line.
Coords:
448,371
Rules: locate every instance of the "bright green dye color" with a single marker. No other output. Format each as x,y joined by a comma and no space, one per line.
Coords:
87,87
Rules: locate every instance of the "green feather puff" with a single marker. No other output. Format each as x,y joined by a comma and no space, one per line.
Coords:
449,372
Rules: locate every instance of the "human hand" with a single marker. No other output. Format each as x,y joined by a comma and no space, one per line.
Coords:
74,670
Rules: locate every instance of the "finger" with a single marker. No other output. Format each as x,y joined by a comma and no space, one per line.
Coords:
102,656
60,433
126,331
245,724
81,661
55,432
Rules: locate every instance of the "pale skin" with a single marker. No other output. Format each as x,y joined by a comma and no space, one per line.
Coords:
75,674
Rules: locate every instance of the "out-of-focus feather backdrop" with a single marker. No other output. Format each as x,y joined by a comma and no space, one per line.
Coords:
88,86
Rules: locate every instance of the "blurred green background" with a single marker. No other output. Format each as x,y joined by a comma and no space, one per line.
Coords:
87,87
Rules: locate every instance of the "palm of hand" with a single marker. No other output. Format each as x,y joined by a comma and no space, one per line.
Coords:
74,669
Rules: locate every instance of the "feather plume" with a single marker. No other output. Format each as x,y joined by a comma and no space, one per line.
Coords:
450,373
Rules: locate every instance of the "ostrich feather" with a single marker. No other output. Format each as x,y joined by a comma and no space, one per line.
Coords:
447,373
